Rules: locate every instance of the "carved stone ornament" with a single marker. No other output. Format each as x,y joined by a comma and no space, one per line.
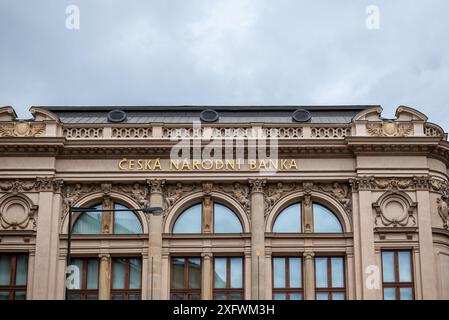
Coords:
443,210
257,185
274,192
17,212
390,129
395,183
395,209
37,185
22,129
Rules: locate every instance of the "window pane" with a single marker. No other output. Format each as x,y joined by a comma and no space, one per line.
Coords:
21,270
177,296
236,273
4,295
226,221
279,273
194,273
295,273
289,220
296,296
189,221
220,273
220,296
126,222
322,296
134,297
389,294
338,296
388,266
135,273
88,222
78,281
20,295
194,296
324,220
406,293
91,297
74,297
235,296
117,297
405,268
92,274
178,273
119,273
280,296
321,272
337,273
5,270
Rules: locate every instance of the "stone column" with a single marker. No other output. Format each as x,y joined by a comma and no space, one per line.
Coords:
207,276
155,241
47,239
257,239
104,281
426,253
309,273
308,213
165,281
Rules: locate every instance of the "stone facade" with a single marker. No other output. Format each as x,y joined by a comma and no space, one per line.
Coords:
386,180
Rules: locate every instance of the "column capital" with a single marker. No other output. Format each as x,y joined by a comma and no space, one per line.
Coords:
309,255
156,185
207,255
104,256
257,185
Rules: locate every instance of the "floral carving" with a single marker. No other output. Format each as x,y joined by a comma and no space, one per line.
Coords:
390,129
21,129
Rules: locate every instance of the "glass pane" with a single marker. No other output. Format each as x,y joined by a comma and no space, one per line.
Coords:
296,296
405,267
389,294
135,273
194,273
220,273
194,297
88,222
235,296
388,266
338,296
177,296
134,297
220,296
321,272
289,220
236,273
322,296
324,220
178,273
189,221
78,276
280,296
92,274
74,297
21,270
118,273
279,273
337,273
406,293
295,273
126,222
20,295
117,297
4,295
226,221
5,270
91,297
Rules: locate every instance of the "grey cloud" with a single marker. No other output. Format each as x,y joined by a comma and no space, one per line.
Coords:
226,52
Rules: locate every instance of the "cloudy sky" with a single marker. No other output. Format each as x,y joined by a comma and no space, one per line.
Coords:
232,52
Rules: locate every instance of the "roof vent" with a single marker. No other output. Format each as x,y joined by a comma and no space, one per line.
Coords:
116,116
209,115
301,115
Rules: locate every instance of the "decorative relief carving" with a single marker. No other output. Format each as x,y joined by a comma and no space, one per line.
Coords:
395,209
390,129
275,191
17,212
443,210
22,129
394,183
239,192
40,184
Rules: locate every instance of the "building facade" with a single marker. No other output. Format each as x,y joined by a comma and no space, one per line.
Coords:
258,203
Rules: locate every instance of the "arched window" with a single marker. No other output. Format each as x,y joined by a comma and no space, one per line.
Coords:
224,220
124,222
290,220
324,220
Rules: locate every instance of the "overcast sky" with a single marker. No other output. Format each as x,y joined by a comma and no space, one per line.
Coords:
226,52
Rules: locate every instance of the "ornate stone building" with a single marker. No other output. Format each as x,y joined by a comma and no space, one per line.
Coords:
353,206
